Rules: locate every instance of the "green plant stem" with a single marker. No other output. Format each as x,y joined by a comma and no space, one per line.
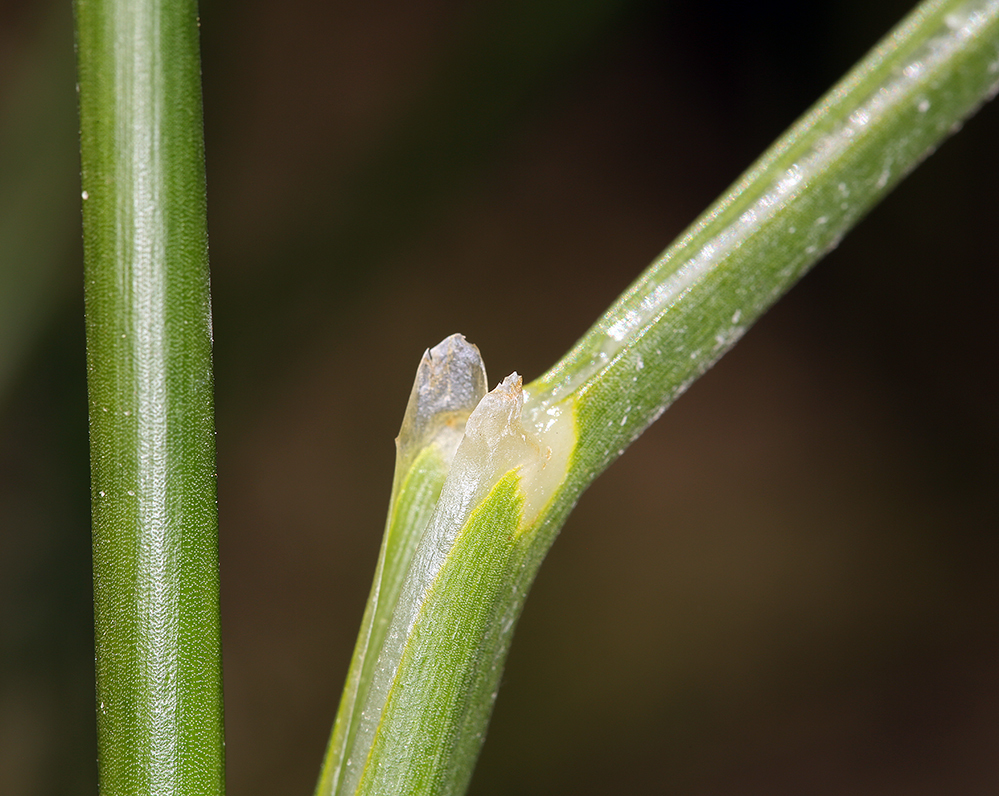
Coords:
155,538
528,454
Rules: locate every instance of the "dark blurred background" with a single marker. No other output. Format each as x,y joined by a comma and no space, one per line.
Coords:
787,586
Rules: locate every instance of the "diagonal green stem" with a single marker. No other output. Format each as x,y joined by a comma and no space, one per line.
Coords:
148,316
779,218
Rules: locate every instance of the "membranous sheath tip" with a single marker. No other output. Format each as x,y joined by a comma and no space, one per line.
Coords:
449,383
507,432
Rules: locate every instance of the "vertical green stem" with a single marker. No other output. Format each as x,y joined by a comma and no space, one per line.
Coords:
155,526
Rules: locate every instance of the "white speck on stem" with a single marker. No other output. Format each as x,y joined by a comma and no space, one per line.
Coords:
860,117
85,195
